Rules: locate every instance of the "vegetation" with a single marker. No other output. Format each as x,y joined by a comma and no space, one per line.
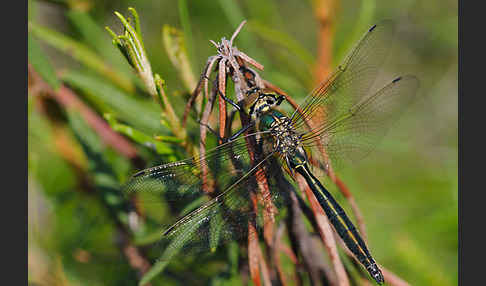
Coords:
105,103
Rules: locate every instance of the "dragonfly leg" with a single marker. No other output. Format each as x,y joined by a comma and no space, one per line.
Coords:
239,132
229,100
225,140
210,129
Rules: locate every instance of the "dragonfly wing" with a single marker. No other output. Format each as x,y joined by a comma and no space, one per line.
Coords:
352,134
219,216
352,79
217,168
223,218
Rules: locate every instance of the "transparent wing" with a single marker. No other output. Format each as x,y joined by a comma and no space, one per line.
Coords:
351,134
353,78
223,214
205,173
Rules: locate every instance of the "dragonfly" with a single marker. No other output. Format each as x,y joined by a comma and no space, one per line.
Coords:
348,122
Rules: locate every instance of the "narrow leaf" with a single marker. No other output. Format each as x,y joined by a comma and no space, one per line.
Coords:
186,26
138,136
81,53
284,40
96,38
143,116
175,45
178,240
41,64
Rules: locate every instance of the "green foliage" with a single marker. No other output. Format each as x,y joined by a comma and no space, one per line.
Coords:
139,87
39,61
141,114
82,53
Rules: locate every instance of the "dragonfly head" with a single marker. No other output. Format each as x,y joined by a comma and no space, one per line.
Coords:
260,101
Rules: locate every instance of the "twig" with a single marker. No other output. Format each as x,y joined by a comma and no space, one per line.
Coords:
134,256
131,45
222,102
253,246
203,80
202,141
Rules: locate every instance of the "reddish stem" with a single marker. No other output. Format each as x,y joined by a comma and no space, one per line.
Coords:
222,102
253,246
324,11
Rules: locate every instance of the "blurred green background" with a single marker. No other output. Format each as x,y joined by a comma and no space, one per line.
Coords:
407,189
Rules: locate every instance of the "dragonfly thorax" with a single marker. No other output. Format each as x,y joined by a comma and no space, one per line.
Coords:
285,139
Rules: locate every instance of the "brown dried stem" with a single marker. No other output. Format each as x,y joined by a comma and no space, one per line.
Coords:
202,80
222,102
225,59
253,247
202,142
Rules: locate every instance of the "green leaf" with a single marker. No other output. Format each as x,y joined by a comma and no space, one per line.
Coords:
82,53
83,131
284,40
131,45
233,251
41,64
177,242
178,239
235,16
142,115
215,226
45,165
265,11
366,13
186,27
175,45
96,38
104,178
140,137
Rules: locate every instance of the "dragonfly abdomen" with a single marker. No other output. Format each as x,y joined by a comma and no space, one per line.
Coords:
343,225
